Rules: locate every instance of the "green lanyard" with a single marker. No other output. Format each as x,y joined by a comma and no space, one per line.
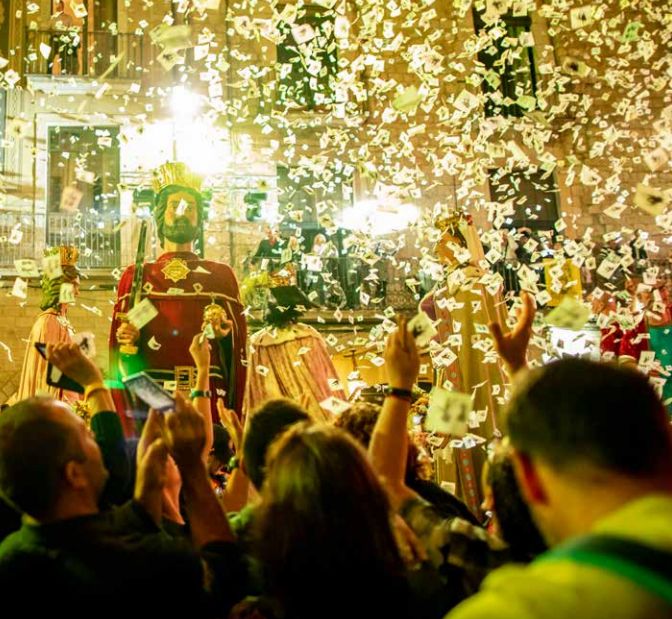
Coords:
647,567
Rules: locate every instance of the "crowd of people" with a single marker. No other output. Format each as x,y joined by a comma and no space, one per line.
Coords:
354,276
268,494
282,515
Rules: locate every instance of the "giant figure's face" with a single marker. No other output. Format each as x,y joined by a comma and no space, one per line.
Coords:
181,218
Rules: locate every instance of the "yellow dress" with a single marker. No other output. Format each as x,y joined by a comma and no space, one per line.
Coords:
467,362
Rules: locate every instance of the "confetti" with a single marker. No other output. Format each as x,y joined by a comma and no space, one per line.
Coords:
335,405
20,288
448,412
66,293
26,268
653,201
408,100
153,344
51,265
570,314
142,314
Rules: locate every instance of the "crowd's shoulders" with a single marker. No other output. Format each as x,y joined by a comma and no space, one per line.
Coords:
555,589
645,520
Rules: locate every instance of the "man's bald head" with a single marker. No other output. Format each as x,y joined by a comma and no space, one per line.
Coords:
38,437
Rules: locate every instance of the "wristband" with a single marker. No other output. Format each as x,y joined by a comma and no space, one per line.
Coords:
196,393
93,388
402,394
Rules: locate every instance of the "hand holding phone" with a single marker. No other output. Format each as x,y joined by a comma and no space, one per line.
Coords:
68,368
149,391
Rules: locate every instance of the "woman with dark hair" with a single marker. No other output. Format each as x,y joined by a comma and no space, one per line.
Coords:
359,420
50,327
511,519
323,534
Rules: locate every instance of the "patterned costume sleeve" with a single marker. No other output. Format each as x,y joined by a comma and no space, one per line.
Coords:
463,553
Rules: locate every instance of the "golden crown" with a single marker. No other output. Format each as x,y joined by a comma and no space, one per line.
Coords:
450,221
68,253
175,173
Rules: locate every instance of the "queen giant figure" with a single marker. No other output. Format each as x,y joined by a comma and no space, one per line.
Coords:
465,302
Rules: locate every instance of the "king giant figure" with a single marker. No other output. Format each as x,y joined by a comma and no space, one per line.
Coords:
190,294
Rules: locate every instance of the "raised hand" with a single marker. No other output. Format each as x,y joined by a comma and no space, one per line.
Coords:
127,334
70,359
232,424
184,434
200,351
512,346
402,362
151,466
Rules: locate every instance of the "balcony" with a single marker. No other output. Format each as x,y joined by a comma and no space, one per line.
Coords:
96,235
83,54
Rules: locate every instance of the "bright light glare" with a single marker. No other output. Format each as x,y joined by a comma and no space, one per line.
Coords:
204,148
378,218
184,103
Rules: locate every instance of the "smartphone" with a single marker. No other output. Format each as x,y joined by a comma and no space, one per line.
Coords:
56,378
41,348
149,391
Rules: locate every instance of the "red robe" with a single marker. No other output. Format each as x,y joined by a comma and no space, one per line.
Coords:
625,345
180,298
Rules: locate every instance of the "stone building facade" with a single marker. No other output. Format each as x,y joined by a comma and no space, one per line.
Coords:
404,110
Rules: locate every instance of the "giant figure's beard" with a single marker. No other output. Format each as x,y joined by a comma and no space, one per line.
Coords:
181,231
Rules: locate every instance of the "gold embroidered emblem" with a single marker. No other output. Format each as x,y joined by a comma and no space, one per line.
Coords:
176,270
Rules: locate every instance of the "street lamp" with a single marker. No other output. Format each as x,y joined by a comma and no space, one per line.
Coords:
184,103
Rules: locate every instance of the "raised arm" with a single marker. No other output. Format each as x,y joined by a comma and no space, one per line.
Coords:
512,346
238,485
200,353
389,442
185,438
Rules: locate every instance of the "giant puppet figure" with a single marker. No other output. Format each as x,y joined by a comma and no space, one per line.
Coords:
294,355
464,307
51,326
190,295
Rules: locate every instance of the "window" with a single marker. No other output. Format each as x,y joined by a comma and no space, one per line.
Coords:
83,202
534,195
508,65
306,60
86,158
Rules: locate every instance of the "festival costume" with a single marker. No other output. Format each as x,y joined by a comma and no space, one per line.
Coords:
627,346
298,367
464,308
50,327
180,286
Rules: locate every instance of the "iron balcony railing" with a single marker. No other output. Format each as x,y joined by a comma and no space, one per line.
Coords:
81,53
96,235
